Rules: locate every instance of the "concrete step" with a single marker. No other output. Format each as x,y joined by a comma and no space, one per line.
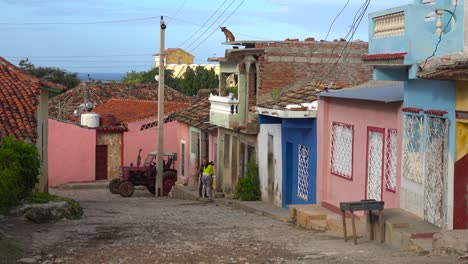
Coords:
320,225
421,245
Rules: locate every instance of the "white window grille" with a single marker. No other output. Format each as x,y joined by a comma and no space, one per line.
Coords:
391,158
436,168
375,159
342,150
182,158
413,155
303,173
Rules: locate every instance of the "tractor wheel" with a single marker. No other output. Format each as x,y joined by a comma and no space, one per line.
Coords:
151,189
126,189
114,186
168,181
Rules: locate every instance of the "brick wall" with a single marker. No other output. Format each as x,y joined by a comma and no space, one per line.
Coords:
286,64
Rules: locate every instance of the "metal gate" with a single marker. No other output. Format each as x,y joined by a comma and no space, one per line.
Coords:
435,170
375,161
303,173
413,155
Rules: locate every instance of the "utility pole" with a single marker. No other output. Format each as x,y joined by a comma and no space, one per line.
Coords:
159,177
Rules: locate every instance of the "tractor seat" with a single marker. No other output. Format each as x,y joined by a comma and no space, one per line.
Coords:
168,164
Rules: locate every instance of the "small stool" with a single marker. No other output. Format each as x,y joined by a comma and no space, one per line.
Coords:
363,205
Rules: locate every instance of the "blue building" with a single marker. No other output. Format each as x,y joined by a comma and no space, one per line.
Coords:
409,43
287,144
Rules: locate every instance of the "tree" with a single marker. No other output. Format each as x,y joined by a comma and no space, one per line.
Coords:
52,74
148,77
200,78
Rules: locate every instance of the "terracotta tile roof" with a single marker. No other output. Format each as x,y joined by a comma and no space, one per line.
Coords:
305,94
63,105
196,115
129,110
19,97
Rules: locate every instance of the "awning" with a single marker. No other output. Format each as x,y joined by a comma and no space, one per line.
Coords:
378,91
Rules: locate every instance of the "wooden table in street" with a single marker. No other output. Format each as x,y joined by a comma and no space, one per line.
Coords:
363,205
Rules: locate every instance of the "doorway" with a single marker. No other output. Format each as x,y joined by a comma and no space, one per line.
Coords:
101,162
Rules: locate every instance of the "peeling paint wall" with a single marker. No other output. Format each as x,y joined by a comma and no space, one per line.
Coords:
267,130
113,142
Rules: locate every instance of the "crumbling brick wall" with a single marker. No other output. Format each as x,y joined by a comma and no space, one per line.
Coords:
287,63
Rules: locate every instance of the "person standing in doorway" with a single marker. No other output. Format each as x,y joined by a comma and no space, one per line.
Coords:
207,178
200,176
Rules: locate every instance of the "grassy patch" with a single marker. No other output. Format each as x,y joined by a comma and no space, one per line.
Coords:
39,197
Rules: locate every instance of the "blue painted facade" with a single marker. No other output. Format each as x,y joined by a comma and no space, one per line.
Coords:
296,132
420,36
420,41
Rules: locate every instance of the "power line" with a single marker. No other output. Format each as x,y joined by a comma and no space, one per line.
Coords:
232,13
196,24
355,25
79,23
440,37
200,27
180,8
211,25
80,56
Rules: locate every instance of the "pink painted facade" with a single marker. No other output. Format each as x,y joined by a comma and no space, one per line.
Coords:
184,160
136,139
362,116
72,153
72,148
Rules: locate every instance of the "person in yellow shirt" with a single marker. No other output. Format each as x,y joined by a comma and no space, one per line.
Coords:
207,178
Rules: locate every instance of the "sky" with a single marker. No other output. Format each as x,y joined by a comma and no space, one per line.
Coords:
69,34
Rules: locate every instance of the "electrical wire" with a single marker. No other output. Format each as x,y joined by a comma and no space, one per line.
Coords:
196,24
79,23
201,26
211,25
440,37
232,13
355,25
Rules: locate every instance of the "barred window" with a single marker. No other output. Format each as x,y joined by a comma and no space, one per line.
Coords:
341,156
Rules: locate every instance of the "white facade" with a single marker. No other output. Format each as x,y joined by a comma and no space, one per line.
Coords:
271,181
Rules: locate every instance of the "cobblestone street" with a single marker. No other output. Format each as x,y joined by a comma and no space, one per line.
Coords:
143,229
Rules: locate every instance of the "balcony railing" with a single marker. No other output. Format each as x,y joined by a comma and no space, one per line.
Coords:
224,111
389,25
224,104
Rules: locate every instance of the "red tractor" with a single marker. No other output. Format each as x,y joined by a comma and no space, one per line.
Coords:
131,176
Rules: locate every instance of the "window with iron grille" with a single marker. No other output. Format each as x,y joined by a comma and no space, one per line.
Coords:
391,160
182,158
341,156
303,173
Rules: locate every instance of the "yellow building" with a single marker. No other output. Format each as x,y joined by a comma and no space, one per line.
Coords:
178,60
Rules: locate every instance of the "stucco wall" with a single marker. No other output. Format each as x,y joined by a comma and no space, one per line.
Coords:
275,131
114,152
184,137
334,189
72,153
431,95
136,139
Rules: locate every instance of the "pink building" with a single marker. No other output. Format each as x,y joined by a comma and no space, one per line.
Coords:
359,144
79,153
197,140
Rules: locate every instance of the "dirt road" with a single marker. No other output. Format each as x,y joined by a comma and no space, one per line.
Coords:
143,229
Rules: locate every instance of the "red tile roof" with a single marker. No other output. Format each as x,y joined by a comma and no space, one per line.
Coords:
62,106
196,115
19,97
127,110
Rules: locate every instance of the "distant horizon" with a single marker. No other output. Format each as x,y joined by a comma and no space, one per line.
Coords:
101,76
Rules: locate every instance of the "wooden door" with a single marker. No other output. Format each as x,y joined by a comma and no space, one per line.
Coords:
101,162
